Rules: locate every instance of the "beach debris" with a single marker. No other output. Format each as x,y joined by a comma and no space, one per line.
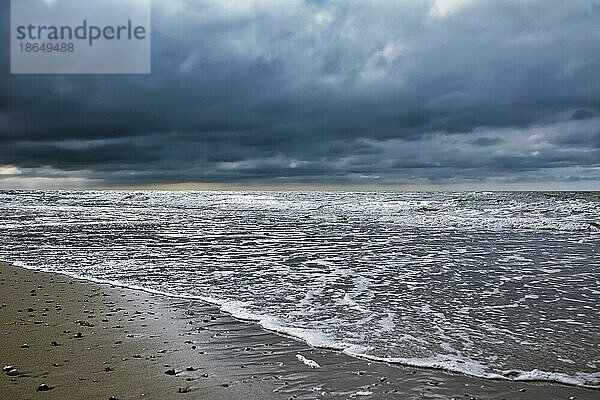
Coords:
43,388
24,346
84,323
184,389
78,335
190,368
7,368
113,398
307,362
108,369
137,356
54,343
12,372
171,372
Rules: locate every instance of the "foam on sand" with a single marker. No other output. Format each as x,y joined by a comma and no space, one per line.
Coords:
307,362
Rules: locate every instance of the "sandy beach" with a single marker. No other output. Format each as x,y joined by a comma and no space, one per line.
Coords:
64,338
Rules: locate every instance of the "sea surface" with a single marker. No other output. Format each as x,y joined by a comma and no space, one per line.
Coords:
497,285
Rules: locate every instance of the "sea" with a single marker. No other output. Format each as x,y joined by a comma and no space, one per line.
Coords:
500,285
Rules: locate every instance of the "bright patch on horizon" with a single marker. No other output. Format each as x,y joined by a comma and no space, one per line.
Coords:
9,170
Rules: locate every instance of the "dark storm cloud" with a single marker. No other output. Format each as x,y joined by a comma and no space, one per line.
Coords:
325,92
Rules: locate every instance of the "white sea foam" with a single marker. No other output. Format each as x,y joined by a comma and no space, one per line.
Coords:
312,337
591,380
387,324
470,367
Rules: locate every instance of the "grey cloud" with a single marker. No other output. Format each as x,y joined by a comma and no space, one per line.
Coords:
326,91
486,141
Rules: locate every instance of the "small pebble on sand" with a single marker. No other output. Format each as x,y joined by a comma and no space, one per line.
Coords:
43,388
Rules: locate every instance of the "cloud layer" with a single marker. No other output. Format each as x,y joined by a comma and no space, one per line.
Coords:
324,92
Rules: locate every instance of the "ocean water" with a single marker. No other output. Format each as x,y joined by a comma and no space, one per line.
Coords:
497,285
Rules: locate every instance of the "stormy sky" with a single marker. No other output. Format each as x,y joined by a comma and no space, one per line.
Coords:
425,93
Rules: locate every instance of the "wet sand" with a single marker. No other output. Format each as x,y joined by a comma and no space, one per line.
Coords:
95,341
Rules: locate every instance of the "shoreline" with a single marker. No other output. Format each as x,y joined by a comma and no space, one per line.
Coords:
284,332
138,344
